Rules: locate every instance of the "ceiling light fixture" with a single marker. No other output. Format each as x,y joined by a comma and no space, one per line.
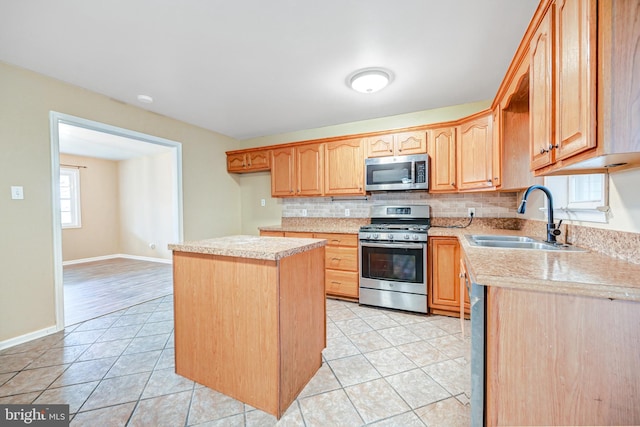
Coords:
145,99
369,80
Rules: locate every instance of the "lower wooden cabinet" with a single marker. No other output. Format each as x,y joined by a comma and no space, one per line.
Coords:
555,359
341,264
341,261
444,284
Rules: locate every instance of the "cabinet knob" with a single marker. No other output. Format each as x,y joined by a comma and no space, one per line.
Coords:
489,181
399,150
551,146
542,151
462,275
453,184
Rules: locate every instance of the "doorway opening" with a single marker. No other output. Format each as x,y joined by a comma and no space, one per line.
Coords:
146,199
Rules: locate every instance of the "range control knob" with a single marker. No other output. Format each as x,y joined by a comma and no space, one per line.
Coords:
390,236
416,237
375,235
407,237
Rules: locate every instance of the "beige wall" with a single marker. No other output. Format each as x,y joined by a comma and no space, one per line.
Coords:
146,205
99,204
27,294
419,118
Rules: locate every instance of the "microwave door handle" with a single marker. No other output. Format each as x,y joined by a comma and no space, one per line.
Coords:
413,172
392,245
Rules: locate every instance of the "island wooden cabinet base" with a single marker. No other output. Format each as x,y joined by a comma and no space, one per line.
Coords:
249,328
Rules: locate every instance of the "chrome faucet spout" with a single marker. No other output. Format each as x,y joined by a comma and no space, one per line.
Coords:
552,231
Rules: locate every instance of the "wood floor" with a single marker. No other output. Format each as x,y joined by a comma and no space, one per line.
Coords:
97,288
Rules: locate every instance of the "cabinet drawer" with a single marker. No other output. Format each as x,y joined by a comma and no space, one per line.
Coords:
343,283
340,258
334,239
298,234
269,233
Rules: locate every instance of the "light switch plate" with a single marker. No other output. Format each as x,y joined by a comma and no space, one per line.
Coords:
17,192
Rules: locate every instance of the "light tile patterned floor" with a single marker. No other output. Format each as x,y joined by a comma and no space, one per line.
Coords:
381,368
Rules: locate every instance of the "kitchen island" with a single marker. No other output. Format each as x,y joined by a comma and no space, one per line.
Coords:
250,316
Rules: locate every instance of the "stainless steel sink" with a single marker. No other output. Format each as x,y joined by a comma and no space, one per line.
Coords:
517,242
481,237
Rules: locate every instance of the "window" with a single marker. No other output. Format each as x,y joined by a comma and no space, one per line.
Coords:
579,197
70,197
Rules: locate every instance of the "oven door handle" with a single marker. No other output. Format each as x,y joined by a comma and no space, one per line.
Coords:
393,245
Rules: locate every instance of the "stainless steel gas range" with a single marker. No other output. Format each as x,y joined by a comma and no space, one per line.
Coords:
393,257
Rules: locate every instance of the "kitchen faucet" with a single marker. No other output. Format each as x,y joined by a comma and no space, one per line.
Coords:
552,230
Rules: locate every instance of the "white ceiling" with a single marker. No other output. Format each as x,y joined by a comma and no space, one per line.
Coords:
248,68
91,143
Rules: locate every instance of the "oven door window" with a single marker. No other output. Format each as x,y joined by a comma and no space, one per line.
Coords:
393,263
389,173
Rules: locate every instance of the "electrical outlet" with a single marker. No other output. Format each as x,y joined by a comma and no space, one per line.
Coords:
263,202
472,212
347,212
304,212
17,192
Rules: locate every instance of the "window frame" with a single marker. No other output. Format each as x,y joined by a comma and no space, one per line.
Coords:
74,198
563,188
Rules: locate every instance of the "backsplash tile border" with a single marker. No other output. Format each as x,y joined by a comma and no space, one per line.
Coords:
486,204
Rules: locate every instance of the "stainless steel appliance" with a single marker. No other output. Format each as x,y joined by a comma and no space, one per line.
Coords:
393,257
477,298
397,173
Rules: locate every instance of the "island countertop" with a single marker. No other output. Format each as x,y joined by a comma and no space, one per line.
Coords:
244,246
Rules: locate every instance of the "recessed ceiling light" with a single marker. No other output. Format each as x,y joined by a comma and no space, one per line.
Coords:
145,99
369,80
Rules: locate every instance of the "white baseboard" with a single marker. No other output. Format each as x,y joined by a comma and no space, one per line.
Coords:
105,257
27,337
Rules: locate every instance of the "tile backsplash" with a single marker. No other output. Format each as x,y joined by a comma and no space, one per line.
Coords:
487,204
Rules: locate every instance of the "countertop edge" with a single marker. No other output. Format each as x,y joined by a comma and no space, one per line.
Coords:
227,247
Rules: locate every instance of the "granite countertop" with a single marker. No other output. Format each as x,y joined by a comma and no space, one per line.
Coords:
576,273
269,248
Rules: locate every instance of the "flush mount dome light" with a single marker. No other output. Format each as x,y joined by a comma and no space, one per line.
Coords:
145,99
369,80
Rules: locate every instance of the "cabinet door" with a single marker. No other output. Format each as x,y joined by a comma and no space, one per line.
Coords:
475,154
309,170
575,77
379,146
344,167
496,148
541,92
258,160
445,271
236,162
282,172
442,151
410,143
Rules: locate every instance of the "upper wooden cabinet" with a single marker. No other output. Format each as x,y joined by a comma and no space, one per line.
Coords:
344,167
475,153
563,82
397,144
251,161
297,171
442,153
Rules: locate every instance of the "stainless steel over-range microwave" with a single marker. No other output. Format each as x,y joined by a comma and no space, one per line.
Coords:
397,173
